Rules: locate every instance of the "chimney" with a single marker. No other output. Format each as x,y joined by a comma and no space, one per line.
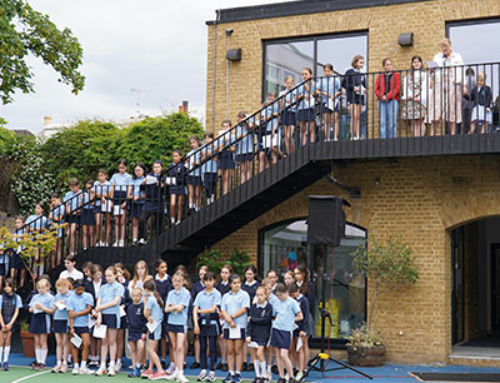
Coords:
47,120
184,108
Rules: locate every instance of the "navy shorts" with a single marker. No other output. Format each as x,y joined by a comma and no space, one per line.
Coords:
4,270
136,209
194,180
244,157
88,217
281,339
242,334
82,330
60,326
288,118
38,324
73,218
177,328
306,115
226,160
18,262
135,335
177,190
110,320
210,330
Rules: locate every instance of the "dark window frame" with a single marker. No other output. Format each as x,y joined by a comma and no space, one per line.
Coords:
314,39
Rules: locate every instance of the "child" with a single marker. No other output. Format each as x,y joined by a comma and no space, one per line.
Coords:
481,99
244,147
123,277
226,155
40,308
155,198
195,290
137,200
209,167
289,278
79,305
56,216
193,161
234,310
61,324
10,304
206,305
87,271
73,200
306,109
177,174
154,314
18,262
223,287
250,286
328,87
387,87
93,287
284,309
259,327
269,131
355,86
177,305
120,183
288,98
108,313
71,271
103,207
37,223
141,274
302,330
88,214
163,286
136,331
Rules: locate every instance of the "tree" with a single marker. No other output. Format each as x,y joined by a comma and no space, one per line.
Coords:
24,32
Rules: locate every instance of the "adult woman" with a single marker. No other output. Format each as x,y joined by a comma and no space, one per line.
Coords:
354,84
446,96
415,95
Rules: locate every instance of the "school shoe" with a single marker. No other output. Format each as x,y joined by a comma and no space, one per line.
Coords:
244,367
40,367
85,371
5,366
75,371
121,243
146,374
202,377
274,369
173,375
281,380
116,244
224,367
171,369
111,371
56,369
237,378
33,365
64,368
219,366
292,380
257,380
181,378
229,378
101,371
211,376
118,366
194,365
299,376
142,242
158,375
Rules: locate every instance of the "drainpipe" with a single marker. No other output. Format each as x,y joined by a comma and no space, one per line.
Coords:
229,32
214,81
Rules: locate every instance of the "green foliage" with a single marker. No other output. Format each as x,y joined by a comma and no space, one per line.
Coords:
28,32
365,337
214,260
387,265
6,136
239,260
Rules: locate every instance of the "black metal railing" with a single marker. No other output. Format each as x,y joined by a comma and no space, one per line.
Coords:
359,106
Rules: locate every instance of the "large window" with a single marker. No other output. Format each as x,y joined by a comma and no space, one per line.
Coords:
289,57
284,246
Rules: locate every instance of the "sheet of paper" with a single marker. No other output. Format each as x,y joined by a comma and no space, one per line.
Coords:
170,181
253,345
299,344
37,311
152,326
91,322
431,64
150,180
60,305
234,332
269,141
100,331
295,326
122,312
76,340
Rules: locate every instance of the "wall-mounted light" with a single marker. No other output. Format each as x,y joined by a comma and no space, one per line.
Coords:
234,54
405,39
377,181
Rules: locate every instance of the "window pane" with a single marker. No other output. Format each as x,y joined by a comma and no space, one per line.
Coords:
284,247
339,51
476,43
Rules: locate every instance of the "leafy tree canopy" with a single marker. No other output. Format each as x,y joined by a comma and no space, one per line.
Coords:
24,32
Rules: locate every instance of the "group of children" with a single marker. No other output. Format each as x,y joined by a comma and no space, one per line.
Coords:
89,317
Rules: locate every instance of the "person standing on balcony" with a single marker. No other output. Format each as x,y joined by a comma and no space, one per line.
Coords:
387,87
481,99
120,182
306,110
193,162
288,117
355,85
154,187
446,97
415,96
328,87
244,146
177,172
226,147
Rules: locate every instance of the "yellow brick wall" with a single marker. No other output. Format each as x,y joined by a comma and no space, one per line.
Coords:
422,199
384,24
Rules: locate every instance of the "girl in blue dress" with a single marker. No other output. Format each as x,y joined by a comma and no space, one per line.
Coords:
244,146
288,113
153,311
103,208
306,110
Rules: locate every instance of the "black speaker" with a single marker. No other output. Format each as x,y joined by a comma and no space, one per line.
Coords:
326,220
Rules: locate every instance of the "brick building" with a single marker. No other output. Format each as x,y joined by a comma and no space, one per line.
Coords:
445,203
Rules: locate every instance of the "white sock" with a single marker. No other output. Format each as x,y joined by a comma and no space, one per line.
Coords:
1,352
58,363
84,364
138,365
43,355
256,364
37,355
76,366
6,354
111,364
172,220
263,368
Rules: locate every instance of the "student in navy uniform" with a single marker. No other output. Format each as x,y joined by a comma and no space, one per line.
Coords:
163,286
250,286
226,148
302,330
354,83
155,198
136,331
40,308
123,277
18,263
282,330
195,290
177,173
10,304
258,330
61,324
223,287
137,199
79,306
234,310
193,161
206,306
209,167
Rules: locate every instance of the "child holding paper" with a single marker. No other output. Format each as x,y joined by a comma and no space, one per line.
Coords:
259,327
300,333
136,331
154,314
60,324
234,310
79,306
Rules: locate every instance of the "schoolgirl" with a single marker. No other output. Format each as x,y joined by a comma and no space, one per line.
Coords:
306,287
193,162
40,308
177,174
301,331
88,214
73,200
289,278
481,98
226,150
163,286
250,286
56,217
107,311
244,146
234,311
37,223
61,324
306,109
195,290
328,87
87,271
259,328
18,262
120,182
93,287
123,277
223,287
288,113
137,198
209,167
354,83
206,306
270,134
103,207
70,270
136,331
154,187
10,304
79,306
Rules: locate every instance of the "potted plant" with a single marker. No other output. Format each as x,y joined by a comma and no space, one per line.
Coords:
387,266
27,339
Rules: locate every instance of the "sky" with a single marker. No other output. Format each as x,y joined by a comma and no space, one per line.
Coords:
140,56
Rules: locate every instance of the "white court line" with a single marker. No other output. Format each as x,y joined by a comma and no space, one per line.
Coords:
30,376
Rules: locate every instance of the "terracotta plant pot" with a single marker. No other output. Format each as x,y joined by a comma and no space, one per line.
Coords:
366,356
28,344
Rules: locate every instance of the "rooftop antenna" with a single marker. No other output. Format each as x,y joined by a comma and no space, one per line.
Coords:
138,103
